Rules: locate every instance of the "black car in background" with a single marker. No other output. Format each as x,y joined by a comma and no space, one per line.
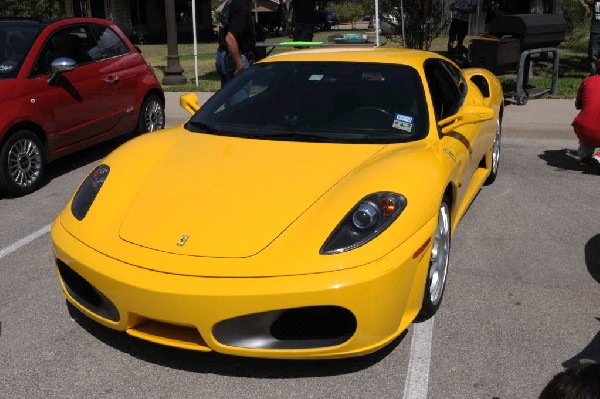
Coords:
325,20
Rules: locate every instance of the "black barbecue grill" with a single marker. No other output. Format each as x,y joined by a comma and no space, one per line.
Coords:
512,39
532,30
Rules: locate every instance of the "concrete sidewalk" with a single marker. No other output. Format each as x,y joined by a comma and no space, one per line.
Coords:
547,119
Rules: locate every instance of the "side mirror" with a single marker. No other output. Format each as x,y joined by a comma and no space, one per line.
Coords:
189,102
466,115
60,65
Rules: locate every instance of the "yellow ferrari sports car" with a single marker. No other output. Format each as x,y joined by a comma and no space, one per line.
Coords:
304,211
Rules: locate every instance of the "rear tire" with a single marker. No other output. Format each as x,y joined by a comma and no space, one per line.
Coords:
435,282
495,154
152,115
22,164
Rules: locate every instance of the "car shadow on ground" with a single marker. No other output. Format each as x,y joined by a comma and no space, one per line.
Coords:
89,156
82,158
565,158
592,261
216,363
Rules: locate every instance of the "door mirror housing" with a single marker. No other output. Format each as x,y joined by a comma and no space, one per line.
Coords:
466,115
189,102
60,65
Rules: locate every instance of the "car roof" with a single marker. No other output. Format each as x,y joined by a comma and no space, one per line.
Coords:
386,55
59,20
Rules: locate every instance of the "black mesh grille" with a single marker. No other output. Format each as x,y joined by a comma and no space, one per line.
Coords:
85,294
318,322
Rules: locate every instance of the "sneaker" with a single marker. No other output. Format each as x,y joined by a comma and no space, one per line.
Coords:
595,162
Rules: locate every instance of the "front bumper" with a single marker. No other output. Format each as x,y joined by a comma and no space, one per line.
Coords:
327,315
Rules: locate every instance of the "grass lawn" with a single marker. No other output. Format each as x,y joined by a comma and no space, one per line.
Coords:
573,65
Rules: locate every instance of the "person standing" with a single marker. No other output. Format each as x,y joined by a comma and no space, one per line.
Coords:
305,18
492,9
459,25
237,39
594,43
587,123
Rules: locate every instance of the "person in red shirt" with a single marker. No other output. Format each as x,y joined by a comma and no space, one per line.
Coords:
587,123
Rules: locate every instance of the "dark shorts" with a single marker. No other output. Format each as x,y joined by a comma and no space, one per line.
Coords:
303,32
225,65
458,30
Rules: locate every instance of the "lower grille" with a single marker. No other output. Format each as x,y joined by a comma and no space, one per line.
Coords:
85,294
317,322
186,337
298,328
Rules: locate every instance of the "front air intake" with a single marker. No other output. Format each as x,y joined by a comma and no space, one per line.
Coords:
85,294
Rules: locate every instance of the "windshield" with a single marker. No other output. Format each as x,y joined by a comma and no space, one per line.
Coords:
16,39
319,101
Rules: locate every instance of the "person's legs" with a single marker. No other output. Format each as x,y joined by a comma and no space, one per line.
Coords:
298,28
307,33
585,153
452,34
594,51
463,28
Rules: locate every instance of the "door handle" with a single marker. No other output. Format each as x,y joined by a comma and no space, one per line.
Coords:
112,79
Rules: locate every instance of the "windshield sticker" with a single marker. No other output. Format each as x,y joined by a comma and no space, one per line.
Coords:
403,122
315,77
6,68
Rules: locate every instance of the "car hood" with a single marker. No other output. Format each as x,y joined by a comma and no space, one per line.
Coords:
228,197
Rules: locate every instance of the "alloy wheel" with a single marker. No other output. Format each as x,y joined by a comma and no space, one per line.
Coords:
24,162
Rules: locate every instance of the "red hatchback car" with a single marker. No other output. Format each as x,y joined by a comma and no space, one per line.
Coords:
65,85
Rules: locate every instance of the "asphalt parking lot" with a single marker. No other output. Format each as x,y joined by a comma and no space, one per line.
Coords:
522,301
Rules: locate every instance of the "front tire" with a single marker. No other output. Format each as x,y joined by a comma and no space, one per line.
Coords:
152,115
22,163
435,283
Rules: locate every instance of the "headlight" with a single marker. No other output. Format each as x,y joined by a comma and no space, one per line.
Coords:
372,215
88,190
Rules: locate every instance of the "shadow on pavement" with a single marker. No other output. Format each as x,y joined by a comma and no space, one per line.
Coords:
591,353
592,257
564,159
592,261
78,159
84,157
215,363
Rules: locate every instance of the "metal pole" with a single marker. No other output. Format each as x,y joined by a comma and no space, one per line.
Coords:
377,22
402,16
195,41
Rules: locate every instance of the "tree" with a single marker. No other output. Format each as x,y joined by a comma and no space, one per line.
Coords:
37,9
424,20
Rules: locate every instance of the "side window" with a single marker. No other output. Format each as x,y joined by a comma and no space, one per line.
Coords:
75,42
444,89
110,43
457,77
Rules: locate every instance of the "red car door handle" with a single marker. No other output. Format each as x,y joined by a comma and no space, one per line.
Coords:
112,79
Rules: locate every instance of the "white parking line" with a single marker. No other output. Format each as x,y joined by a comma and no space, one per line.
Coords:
417,379
24,241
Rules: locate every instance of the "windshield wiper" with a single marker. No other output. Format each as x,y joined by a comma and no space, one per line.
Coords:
205,127
293,136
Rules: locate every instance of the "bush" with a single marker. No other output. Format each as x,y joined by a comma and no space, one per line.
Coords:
578,17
